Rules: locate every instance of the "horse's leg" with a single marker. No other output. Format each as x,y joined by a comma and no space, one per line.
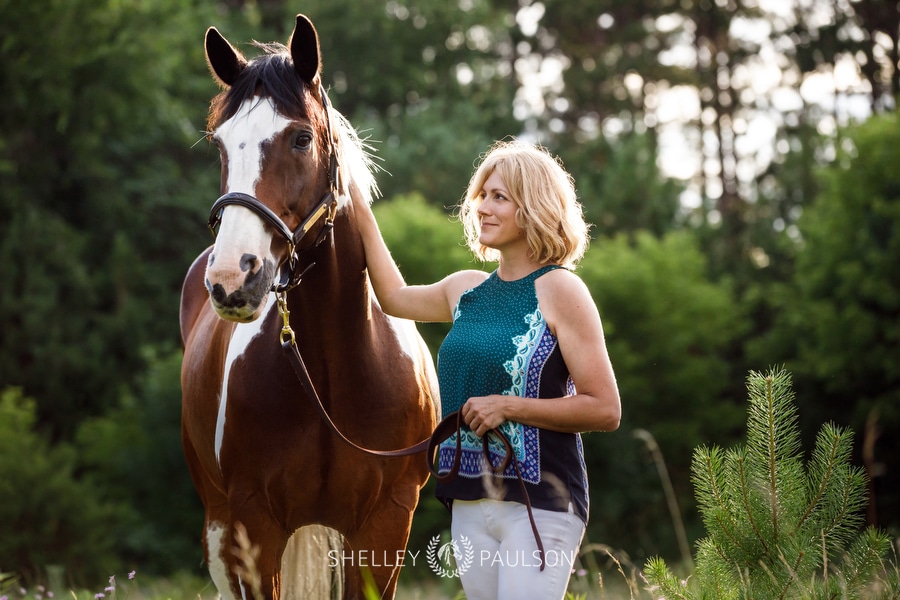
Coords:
257,544
379,545
216,537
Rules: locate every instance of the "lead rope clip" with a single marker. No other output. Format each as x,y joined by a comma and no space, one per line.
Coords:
287,334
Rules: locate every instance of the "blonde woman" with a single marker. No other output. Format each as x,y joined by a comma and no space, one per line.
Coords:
525,355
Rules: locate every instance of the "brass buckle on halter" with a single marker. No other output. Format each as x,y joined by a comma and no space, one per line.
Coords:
287,334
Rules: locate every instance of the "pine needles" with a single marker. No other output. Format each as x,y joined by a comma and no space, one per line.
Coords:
778,528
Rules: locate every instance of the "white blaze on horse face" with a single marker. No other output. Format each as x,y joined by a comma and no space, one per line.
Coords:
256,121
242,233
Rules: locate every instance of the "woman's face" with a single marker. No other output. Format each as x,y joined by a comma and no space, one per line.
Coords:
497,213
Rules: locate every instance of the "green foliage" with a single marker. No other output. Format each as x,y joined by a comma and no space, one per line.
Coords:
621,187
133,453
777,528
394,69
430,151
667,327
848,269
426,242
95,196
48,516
837,325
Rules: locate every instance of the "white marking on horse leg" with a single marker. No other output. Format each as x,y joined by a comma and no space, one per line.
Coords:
218,570
240,339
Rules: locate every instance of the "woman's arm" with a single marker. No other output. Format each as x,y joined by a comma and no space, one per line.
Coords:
425,303
572,316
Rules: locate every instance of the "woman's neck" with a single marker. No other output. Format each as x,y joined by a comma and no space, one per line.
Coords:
516,267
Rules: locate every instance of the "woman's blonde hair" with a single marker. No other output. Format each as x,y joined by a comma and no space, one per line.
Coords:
544,192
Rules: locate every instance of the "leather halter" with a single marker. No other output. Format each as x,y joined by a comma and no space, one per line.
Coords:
290,276
326,207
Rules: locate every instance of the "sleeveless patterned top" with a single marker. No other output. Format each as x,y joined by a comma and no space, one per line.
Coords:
499,343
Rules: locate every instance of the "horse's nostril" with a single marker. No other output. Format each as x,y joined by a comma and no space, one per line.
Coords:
217,292
249,262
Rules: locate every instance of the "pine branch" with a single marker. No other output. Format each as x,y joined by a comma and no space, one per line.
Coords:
822,466
865,558
662,580
772,523
773,436
708,476
747,504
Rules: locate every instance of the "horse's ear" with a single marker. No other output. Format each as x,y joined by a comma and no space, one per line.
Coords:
224,61
304,45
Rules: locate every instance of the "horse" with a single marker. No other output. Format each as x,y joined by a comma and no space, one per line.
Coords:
293,507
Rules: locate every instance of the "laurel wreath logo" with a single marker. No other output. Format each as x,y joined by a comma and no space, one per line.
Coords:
439,555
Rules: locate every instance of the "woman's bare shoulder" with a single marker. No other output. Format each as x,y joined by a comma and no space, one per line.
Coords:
564,297
563,285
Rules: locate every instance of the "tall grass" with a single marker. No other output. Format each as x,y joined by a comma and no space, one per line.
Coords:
127,587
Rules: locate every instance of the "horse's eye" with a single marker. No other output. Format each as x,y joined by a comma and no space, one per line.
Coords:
303,140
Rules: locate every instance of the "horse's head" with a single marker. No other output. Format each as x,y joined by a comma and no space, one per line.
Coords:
279,166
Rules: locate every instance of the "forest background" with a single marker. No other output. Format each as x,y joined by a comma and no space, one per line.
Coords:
738,159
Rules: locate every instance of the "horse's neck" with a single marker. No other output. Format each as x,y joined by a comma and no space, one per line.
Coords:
334,296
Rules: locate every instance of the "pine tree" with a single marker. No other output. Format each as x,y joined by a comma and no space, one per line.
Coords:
779,528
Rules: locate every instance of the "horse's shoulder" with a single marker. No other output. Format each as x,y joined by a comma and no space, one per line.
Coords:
193,293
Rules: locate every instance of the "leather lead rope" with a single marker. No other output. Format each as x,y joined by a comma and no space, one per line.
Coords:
289,345
452,424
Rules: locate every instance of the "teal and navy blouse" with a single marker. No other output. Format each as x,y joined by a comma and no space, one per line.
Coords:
499,343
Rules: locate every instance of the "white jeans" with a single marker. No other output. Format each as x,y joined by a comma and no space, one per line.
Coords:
505,562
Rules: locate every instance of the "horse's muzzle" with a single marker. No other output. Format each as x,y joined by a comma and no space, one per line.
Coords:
244,303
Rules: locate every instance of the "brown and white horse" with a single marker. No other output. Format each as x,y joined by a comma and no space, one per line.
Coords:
261,457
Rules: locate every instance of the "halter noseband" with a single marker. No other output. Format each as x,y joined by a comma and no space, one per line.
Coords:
326,207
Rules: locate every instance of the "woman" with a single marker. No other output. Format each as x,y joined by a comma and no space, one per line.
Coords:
526,355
